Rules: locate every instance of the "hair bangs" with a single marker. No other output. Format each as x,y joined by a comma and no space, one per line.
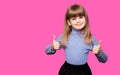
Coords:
75,13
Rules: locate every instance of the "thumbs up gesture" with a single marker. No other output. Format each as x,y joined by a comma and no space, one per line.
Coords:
96,49
55,44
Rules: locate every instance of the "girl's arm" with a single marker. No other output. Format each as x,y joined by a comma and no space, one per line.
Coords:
49,50
101,55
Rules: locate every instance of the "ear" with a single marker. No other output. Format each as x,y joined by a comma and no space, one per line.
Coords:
68,22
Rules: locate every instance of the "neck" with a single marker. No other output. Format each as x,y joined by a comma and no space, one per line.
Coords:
76,31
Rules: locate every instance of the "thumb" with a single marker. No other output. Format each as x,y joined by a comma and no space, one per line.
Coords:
99,43
54,38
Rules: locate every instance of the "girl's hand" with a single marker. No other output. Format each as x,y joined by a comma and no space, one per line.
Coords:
96,49
55,44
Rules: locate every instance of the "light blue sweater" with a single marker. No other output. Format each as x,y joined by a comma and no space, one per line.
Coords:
77,51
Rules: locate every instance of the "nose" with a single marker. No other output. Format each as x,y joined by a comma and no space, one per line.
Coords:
78,20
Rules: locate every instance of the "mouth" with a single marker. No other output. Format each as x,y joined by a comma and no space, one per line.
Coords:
79,24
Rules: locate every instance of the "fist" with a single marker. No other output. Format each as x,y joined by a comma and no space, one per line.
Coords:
55,44
97,48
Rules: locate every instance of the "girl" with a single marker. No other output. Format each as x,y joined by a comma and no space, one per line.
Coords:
77,41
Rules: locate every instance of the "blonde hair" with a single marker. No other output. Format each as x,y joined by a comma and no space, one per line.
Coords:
73,11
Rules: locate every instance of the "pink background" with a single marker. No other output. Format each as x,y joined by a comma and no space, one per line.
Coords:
27,26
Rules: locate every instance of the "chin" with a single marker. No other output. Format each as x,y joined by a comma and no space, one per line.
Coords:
79,28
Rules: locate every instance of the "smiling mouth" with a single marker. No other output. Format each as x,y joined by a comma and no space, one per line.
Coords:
79,24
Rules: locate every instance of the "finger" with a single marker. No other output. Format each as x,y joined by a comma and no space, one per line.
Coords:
57,43
54,38
99,43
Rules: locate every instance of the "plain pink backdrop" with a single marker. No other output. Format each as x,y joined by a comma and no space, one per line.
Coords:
27,26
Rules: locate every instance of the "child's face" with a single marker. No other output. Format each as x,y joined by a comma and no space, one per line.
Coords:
77,22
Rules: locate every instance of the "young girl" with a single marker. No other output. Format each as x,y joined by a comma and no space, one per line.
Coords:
77,41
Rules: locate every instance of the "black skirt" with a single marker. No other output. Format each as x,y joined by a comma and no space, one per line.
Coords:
69,69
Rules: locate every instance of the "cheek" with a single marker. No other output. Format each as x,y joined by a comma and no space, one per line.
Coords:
72,22
84,21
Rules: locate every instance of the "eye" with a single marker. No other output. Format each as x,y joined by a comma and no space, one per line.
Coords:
81,16
74,18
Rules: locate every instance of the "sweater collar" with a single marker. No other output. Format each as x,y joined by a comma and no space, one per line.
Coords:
75,31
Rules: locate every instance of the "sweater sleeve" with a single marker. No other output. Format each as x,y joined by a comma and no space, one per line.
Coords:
49,50
102,57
